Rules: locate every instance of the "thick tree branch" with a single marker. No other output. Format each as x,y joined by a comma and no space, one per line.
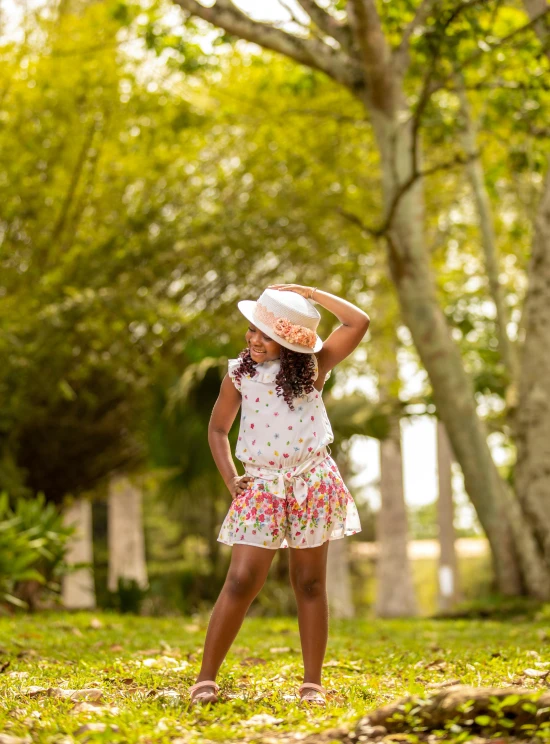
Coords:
326,23
311,52
376,54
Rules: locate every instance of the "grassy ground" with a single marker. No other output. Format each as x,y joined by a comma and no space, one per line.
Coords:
145,665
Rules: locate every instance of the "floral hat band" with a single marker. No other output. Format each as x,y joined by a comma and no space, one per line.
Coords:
296,334
286,317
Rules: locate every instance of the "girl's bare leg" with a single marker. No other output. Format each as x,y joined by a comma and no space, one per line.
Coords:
246,576
308,570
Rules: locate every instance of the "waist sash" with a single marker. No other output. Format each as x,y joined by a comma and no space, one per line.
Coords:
290,476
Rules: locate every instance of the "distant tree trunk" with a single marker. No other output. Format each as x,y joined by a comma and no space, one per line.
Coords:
338,580
474,169
125,534
448,564
532,472
78,591
395,591
338,574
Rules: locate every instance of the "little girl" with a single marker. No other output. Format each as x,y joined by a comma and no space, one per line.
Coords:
292,493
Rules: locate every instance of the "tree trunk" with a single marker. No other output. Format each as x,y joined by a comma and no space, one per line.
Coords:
338,580
532,472
78,591
125,534
394,584
448,564
474,169
452,388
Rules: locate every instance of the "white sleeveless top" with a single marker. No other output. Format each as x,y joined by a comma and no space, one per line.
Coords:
273,440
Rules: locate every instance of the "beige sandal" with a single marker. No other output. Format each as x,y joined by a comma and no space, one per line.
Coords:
205,696
316,693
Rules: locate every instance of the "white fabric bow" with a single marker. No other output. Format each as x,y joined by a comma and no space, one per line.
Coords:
290,477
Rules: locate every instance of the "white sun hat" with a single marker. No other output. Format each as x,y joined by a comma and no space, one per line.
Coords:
286,317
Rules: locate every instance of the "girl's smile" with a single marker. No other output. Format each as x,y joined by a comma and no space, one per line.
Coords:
262,347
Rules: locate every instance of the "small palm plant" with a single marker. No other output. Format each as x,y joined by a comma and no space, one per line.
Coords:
33,544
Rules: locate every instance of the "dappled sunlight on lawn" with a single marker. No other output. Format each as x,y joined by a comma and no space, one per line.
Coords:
62,673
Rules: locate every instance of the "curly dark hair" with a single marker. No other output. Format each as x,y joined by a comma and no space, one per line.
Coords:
295,377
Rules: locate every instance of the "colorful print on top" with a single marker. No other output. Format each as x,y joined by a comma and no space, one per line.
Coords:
270,433
298,497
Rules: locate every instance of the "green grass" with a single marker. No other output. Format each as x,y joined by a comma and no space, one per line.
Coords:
368,663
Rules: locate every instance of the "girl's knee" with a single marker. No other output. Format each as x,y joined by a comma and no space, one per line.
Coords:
243,583
309,586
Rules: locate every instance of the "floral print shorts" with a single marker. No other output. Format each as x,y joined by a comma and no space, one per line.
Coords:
258,517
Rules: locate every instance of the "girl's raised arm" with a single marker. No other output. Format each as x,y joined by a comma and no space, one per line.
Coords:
346,337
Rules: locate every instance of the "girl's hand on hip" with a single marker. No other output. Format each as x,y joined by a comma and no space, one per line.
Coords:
239,484
304,291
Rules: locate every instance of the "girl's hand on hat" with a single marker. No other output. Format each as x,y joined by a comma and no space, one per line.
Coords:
239,484
304,291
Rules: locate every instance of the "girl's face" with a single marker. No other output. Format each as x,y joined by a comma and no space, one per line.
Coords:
262,348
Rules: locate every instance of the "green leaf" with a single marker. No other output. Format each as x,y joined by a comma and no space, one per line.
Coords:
483,720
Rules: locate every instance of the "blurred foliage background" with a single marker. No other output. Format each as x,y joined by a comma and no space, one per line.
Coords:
153,172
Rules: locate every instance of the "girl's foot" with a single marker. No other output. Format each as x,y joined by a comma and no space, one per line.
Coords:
312,693
204,692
